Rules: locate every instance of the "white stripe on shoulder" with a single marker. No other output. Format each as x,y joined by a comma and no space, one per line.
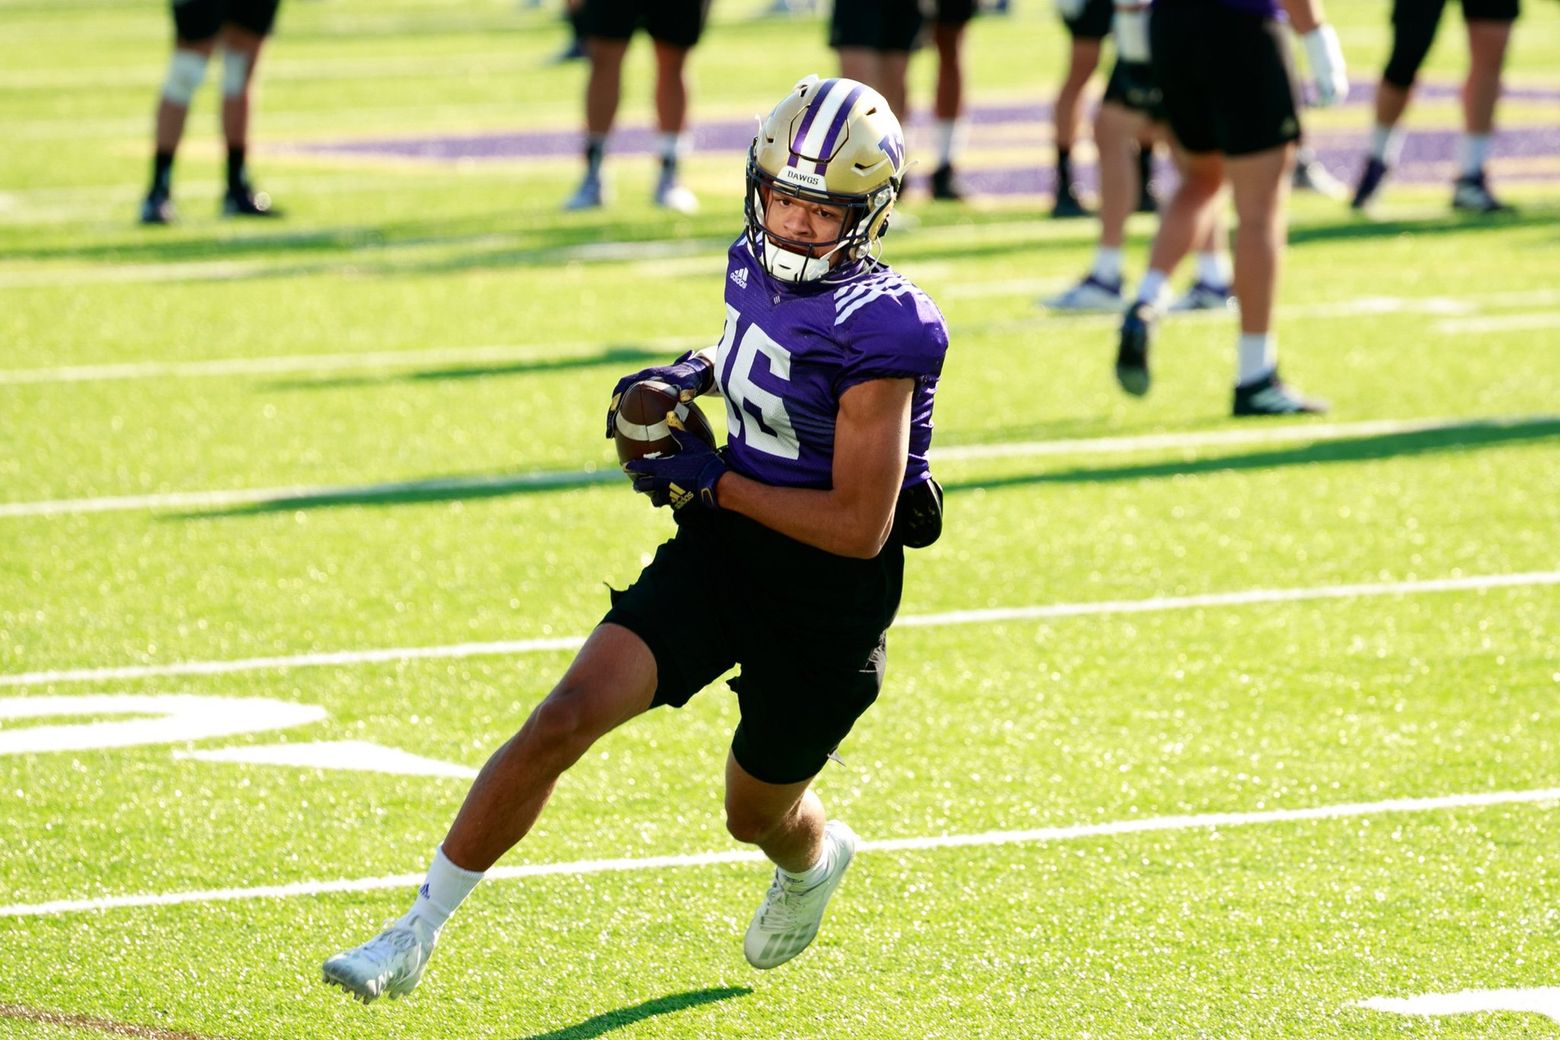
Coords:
852,298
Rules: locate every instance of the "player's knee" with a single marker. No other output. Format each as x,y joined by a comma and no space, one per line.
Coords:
235,72
748,826
186,71
563,723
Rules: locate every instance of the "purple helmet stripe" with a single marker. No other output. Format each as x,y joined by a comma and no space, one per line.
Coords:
807,120
831,139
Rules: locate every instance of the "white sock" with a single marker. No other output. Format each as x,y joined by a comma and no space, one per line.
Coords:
1107,264
1258,356
445,888
1213,268
950,135
1386,144
1152,286
1472,150
813,874
673,145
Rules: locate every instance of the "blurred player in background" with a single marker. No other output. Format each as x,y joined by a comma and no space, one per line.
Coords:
1225,73
674,26
241,28
1132,111
1414,23
874,39
788,558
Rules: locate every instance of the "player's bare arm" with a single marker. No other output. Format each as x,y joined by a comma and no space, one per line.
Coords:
853,517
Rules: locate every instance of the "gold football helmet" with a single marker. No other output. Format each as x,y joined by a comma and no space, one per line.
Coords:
830,141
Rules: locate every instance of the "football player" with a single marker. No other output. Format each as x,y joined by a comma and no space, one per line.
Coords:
1130,113
789,551
674,26
1224,72
874,39
241,27
1414,23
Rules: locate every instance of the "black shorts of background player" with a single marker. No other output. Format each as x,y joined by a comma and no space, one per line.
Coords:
674,27
1132,112
1414,24
240,27
1230,98
874,40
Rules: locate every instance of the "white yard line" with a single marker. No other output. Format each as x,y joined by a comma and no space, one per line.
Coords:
283,364
1040,835
239,497
1499,323
992,615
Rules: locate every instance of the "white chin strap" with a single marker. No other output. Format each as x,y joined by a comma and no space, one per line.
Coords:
793,267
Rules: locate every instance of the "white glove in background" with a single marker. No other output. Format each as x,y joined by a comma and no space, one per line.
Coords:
1130,27
1325,57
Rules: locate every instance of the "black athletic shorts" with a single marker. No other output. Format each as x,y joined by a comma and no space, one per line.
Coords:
805,626
679,23
1226,76
1414,23
1094,22
878,25
1132,85
198,20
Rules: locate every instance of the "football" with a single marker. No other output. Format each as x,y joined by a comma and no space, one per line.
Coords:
642,429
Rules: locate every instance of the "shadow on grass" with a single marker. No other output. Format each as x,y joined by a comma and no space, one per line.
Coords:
628,356
1467,436
1452,223
1462,437
416,492
610,1020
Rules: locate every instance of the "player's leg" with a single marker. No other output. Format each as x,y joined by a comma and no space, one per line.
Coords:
1488,39
241,47
1116,130
1183,222
797,707
1083,57
671,109
612,679
810,853
953,16
1414,24
196,24
1212,287
1260,184
675,27
1261,133
608,26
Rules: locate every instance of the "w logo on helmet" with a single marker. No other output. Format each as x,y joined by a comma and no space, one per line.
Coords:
893,146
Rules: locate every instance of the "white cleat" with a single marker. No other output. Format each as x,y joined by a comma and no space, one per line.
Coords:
673,196
1092,295
388,965
1205,296
787,921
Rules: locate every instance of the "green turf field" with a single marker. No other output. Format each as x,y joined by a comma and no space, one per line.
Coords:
1194,728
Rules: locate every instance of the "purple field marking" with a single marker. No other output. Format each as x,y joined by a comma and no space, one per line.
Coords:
1425,155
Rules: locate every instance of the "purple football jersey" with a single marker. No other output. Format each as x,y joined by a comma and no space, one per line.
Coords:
789,351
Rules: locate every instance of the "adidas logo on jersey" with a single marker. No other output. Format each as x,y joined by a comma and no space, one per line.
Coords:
740,276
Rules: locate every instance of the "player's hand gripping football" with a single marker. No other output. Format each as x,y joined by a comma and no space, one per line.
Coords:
692,374
681,478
